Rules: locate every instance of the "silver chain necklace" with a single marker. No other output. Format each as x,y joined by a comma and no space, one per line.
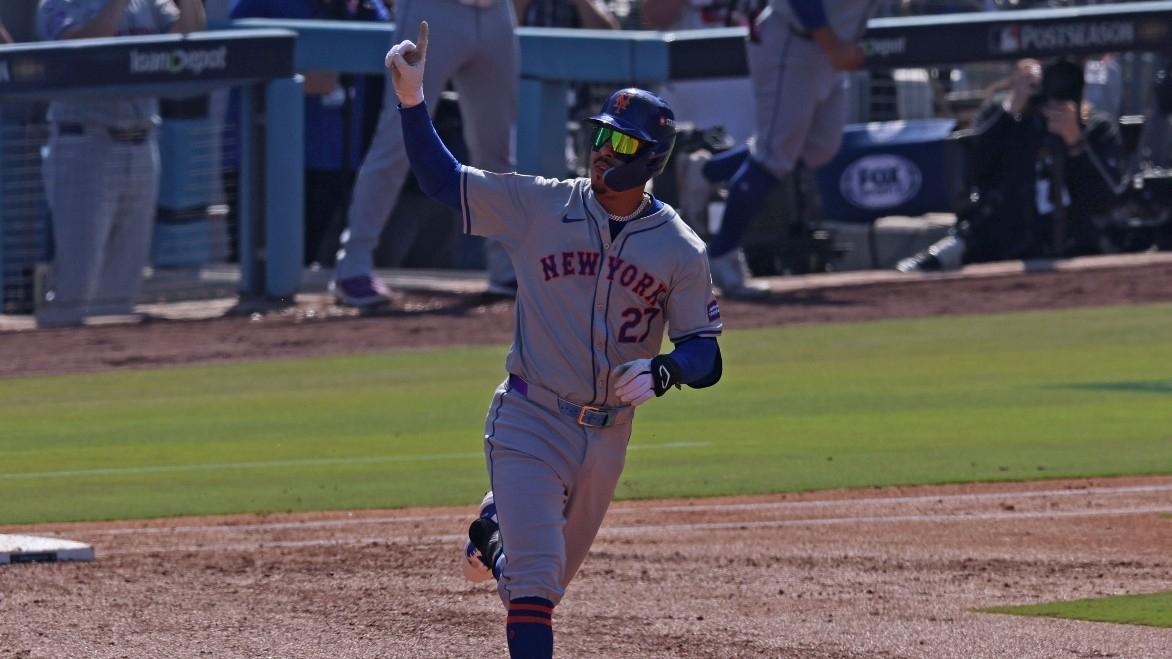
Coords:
624,218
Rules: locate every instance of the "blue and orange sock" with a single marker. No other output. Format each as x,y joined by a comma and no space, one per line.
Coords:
529,628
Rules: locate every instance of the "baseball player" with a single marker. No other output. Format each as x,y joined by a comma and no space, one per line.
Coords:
603,270
478,54
798,51
335,114
101,170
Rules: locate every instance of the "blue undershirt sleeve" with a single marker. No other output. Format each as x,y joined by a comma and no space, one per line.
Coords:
699,361
436,169
811,13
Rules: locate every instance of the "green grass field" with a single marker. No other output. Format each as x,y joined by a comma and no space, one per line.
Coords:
1154,610
998,397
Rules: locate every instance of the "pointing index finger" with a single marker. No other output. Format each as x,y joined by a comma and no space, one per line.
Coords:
420,51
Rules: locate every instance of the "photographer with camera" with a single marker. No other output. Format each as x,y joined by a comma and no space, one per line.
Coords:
1043,164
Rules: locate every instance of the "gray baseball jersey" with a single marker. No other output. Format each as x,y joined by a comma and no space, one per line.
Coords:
477,52
848,18
801,100
56,17
586,303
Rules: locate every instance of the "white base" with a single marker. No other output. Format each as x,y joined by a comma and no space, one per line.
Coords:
33,549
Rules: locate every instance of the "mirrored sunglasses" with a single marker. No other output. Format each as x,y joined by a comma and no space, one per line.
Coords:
622,143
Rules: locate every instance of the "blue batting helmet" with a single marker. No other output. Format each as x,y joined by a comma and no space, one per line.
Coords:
646,117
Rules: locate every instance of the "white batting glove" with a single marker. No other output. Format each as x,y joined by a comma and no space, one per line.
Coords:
405,61
633,384
638,380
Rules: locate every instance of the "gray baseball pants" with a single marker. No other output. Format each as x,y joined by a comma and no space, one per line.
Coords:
801,100
102,197
553,481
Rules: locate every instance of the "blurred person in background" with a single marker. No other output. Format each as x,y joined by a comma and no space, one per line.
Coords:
1104,85
799,51
1158,141
1044,163
583,14
587,14
101,168
707,124
335,108
711,103
478,53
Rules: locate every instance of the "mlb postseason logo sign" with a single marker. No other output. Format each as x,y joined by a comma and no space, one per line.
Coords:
1104,35
880,181
179,61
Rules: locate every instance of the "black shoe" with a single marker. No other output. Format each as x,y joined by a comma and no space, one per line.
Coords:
486,537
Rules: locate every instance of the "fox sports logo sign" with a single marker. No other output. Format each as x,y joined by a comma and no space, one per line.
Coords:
880,181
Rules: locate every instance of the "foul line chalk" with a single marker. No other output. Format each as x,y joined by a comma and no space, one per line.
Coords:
660,528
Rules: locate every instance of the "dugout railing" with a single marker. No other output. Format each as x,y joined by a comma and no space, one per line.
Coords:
184,72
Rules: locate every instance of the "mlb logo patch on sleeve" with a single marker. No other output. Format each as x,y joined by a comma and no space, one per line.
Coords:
713,311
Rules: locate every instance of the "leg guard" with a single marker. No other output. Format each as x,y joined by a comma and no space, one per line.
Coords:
722,166
746,193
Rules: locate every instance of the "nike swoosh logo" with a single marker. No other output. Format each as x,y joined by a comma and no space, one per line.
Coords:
566,219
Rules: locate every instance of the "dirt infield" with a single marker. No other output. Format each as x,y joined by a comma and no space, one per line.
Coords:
877,573
882,573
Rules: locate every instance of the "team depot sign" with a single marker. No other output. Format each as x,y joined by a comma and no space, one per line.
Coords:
179,60
53,68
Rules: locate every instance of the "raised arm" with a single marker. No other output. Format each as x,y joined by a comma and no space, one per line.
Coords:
436,169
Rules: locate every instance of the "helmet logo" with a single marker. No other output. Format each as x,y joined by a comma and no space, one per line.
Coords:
621,102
